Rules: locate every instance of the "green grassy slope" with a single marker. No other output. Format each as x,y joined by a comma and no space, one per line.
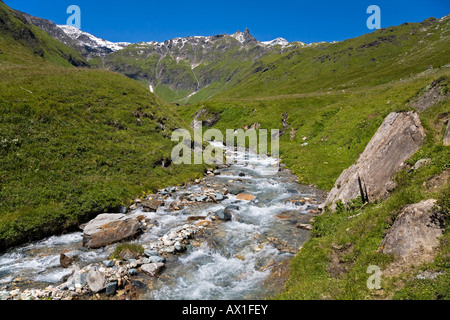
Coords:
337,126
21,42
335,97
71,145
334,263
372,59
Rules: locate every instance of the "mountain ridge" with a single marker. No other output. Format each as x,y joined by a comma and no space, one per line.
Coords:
72,34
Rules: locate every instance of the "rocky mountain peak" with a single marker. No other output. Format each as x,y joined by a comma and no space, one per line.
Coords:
244,37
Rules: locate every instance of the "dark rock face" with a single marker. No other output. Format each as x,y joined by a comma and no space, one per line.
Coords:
50,27
397,139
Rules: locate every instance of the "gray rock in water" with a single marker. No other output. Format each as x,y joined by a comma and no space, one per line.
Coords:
152,269
235,190
397,139
169,249
109,228
132,272
132,263
179,247
227,213
231,208
415,234
218,195
155,259
96,280
108,263
111,288
201,198
150,253
64,260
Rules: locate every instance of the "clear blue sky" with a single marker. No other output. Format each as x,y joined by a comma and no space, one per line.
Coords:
307,21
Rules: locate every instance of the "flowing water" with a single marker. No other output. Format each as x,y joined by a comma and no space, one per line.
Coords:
232,260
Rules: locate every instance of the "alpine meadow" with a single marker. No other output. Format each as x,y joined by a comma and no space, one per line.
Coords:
94,207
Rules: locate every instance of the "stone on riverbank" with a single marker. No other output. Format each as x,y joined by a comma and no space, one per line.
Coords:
150,253
304,226
155,259
96,280
111,288
108,263
109,228
152,205
153,269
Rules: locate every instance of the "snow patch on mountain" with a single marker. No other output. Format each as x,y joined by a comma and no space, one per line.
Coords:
87,39
239,36
275,42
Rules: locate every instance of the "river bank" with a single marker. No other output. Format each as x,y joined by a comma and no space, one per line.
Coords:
236,242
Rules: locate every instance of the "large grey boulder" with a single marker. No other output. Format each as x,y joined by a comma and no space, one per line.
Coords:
415,234
96,280
109,228
398,138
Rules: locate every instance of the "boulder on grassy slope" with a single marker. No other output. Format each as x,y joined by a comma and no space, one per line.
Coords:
414,236
397,139
109,228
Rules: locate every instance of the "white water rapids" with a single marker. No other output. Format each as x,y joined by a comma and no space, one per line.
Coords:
234,259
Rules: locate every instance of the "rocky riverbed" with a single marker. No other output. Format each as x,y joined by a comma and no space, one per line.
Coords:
226,236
